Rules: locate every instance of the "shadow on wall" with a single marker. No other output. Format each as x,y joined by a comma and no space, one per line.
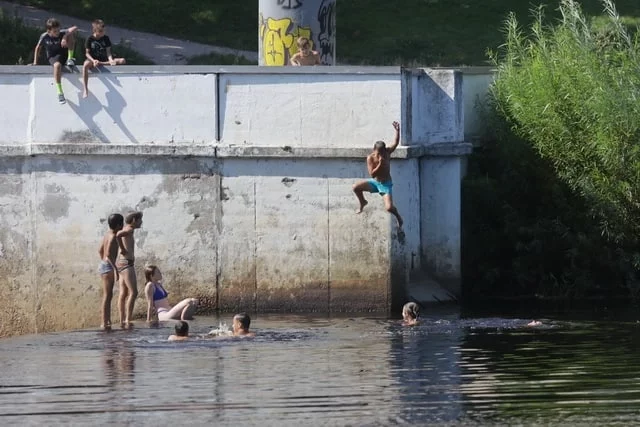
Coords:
87,108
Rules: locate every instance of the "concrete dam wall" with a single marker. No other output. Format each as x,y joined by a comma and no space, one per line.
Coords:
244,177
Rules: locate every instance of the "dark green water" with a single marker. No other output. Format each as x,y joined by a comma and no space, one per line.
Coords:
341,371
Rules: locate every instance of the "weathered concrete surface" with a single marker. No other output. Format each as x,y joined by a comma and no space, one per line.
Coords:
256,215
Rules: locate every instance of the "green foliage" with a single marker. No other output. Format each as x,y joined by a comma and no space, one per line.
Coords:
19,41
408,32
556,189
573,92
526,233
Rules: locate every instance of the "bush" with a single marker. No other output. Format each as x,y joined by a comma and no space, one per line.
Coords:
552,202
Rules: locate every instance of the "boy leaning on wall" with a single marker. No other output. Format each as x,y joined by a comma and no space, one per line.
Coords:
59,46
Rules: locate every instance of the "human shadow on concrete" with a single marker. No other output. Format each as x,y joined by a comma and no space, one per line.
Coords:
87,108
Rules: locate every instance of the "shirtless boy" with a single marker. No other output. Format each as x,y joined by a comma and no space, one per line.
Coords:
108,252
305,56
126,269
241,323
379,167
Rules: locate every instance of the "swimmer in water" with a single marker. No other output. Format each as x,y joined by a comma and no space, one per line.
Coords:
241,322
182,332
534,323
157,299
410,314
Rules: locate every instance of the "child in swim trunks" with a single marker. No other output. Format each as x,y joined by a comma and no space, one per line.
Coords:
125,267
108,273
379,167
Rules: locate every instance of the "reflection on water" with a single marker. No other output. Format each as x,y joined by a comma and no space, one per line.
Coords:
318,371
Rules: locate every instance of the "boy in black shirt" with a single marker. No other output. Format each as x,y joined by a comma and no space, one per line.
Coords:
59,45
98,52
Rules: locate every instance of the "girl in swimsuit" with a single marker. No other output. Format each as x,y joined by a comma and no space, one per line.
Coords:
157,299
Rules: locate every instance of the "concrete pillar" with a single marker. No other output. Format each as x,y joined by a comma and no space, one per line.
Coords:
281,22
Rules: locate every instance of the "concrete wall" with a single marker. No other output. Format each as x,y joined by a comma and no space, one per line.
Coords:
244,178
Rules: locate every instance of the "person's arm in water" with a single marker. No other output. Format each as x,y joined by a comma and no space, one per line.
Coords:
148,293
396,139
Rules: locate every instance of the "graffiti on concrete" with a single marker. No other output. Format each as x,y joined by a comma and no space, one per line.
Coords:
290,4
278,38
326,37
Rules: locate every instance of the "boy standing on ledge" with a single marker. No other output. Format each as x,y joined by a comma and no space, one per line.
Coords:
59,45
98,52
379,167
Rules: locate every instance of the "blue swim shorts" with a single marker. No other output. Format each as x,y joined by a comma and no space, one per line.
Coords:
380,187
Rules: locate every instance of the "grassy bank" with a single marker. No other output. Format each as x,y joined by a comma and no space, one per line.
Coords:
18,43
425,32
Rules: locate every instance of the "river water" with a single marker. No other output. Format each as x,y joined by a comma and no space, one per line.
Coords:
310,370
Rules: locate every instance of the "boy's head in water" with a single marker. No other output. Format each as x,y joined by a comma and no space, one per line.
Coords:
241,323
410,313
182,331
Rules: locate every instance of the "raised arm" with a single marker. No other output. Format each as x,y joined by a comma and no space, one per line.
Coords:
396,138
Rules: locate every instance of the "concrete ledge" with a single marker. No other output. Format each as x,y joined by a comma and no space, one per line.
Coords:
228,151
211,69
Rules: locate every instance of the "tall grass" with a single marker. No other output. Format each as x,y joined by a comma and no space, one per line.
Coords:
573,90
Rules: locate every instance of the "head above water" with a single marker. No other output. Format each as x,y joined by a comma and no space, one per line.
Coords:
379,146
115,221
133,218
241,321
410,311
182,328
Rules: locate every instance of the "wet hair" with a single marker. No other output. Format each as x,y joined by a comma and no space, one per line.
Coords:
302,42
132,217
115,221
411,309
149,271
97,23
52,23
244,320
182,328
379,146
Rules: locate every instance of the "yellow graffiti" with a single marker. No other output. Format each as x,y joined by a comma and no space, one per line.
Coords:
278,37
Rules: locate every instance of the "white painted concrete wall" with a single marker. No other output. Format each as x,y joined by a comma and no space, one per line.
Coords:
256,214
307,110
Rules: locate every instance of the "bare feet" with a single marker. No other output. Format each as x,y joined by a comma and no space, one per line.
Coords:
106,327
85,93
362,205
